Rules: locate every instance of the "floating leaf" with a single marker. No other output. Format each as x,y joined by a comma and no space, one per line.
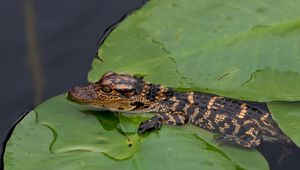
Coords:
241,49
29,149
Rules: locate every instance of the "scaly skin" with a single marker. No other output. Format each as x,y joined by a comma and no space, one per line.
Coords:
234,120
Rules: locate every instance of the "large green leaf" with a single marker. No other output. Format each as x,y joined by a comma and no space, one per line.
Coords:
60,134
242,49
29,148
287,114
68,135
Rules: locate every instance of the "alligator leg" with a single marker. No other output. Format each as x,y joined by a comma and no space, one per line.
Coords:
159,119
246,140
225,138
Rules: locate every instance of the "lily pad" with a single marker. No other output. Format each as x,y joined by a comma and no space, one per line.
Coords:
29,149
68,135
287,114
60,134
241,49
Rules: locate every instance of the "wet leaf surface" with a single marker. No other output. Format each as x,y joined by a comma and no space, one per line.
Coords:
68,135
246,50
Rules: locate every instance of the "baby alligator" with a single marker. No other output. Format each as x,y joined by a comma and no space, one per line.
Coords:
234,120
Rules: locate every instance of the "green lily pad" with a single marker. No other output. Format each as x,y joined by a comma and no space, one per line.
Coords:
241,49
68,135
130,122
287,114
60,134
29,149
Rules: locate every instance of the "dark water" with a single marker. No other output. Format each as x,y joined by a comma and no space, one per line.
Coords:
63,41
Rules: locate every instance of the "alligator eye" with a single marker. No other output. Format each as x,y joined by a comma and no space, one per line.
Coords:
106,89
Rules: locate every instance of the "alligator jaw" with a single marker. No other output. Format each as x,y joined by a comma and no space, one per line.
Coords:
82,94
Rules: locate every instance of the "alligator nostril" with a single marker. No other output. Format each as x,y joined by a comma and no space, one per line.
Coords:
72,90
76,89
72,93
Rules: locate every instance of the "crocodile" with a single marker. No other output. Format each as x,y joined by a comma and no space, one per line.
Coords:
233,120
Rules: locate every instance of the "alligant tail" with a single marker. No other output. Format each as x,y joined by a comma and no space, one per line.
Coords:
287,147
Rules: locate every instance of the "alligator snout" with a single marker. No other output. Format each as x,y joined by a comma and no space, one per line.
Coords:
82,94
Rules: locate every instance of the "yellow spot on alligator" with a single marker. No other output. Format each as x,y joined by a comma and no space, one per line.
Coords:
195,113
219,118
221,129
248,122
124,86
226,125
211,102
210,126
243,112
209,106
191,97
175,105
186,107
263,118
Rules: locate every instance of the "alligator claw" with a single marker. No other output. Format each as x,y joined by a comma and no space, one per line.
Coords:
149,125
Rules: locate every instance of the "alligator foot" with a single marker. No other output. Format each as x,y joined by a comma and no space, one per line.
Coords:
150,125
